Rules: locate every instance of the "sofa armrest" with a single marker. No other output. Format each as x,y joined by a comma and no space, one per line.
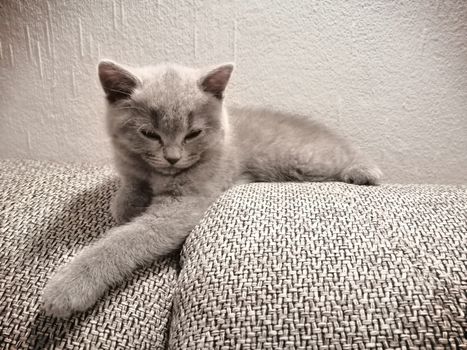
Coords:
48,212
326,266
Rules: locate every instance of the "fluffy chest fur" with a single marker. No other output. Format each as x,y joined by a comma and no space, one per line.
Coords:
208,180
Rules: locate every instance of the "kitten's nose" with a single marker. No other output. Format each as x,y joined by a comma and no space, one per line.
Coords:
172,160
172,154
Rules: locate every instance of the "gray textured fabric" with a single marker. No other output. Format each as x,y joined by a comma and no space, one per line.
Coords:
326,266
48,212
272,266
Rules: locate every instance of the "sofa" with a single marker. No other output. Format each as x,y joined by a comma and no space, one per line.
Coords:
270,266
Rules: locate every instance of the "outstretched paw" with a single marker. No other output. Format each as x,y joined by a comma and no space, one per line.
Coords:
70,290
361,174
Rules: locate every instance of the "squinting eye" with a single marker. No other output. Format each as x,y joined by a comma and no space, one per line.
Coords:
192,135
150,135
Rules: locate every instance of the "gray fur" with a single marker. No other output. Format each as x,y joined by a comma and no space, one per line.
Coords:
150,112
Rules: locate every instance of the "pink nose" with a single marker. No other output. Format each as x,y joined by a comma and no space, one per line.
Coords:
172,160
172,154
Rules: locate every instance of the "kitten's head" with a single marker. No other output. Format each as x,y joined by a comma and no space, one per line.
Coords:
171,116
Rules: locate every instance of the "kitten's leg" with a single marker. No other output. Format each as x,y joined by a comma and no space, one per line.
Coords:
334,160
131,200
160,230
355,168
350,168
361,172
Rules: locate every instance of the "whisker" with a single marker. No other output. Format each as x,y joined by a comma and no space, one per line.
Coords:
127,122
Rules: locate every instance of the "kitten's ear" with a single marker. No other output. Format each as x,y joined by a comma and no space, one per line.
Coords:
118,83
215,80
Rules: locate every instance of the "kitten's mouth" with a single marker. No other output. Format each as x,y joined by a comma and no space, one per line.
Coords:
169,170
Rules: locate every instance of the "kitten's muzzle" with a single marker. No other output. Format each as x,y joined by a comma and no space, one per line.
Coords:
172,154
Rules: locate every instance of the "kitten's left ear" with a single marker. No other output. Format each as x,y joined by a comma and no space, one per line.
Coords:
118,82
215,81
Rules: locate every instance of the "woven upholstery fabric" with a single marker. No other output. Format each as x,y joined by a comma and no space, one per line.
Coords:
48,212
326,266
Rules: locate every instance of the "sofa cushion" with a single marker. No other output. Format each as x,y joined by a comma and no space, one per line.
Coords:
48,212
326,266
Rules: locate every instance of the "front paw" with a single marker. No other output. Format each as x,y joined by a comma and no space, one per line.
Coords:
70,290
362,174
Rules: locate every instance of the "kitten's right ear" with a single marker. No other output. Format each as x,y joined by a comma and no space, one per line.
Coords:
215,81
118,83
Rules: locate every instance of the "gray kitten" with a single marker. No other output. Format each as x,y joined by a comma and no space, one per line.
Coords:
177,148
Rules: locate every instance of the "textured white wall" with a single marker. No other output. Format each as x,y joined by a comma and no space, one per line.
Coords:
392,74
